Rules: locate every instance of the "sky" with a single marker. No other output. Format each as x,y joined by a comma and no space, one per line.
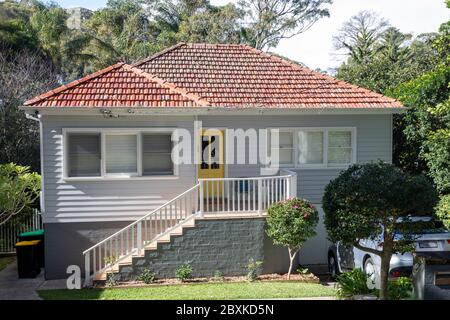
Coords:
314,47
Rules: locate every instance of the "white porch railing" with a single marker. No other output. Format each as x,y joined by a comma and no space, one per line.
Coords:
257,194
221,195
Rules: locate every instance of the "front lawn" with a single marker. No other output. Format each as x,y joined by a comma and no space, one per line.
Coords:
236,290
4,261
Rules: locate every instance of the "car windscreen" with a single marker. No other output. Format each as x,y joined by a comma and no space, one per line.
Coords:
423,227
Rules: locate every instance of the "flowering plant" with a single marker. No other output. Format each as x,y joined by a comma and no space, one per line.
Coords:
290,223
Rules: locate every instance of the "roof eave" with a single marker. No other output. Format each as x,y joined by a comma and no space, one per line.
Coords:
87,110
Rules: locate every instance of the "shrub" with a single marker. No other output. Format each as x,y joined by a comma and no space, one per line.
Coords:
111,280
217,275
302,270
399,289
253,269
184,272
290,223
352,283
146,276
443,210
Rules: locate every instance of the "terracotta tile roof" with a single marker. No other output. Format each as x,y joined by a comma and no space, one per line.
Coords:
120,85
217,75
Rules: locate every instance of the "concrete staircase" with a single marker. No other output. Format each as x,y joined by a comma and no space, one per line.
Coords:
209,242
127,264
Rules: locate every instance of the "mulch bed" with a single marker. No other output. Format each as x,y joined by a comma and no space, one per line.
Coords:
305,278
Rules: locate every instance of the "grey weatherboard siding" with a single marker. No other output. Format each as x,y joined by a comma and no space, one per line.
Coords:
70,201
70,205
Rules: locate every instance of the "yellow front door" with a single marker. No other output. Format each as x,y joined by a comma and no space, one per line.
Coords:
211,158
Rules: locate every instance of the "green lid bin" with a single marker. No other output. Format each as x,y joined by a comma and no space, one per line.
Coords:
35,235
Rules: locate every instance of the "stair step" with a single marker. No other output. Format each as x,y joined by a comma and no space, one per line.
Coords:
128,260
100,276
151,246
167,238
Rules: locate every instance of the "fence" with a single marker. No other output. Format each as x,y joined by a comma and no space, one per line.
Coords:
10,230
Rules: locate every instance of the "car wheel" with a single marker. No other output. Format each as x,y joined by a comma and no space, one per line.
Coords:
369,269
332,265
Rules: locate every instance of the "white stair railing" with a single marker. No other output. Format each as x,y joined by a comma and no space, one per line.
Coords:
134,237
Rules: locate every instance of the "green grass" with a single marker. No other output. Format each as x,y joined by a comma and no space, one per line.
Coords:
236,290
4,261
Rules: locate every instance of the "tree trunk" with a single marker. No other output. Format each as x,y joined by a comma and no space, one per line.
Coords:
292,255
384,271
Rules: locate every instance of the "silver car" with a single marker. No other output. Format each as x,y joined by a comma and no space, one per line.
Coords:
343,258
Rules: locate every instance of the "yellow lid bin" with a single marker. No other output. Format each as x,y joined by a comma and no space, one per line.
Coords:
27,243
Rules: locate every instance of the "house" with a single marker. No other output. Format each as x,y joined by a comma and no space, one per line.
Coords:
116,198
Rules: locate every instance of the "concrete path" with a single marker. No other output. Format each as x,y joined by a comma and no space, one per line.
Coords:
13,288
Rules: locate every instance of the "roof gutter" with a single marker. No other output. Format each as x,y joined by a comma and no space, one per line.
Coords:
29,116
130,111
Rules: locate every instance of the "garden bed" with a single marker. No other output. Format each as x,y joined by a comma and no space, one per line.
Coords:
302,278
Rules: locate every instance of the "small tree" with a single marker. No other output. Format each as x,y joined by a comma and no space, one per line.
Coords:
19,189
290,223
367,200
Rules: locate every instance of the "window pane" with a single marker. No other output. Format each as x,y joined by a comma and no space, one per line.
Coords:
285,139
157,143
285,148
121,153
339,147
215,152
340,139
156,154
285,156
83,154
157,164
339,155
311,147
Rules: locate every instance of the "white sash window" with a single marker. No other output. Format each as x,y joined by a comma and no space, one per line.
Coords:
314,147
156,154
118,153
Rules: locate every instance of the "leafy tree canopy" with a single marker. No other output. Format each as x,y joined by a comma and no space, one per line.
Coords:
269,21
19,189
367,200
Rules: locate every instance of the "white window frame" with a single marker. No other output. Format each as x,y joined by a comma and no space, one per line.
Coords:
294,144
325,130
117,176
138,155
140,161
353,147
